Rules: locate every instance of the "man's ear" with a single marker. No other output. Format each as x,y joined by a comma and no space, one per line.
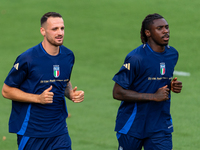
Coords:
42,31
147,32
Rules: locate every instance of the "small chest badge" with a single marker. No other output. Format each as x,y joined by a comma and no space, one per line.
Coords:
162,68
56,71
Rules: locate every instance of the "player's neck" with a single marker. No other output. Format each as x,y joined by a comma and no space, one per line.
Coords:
155,47
50,49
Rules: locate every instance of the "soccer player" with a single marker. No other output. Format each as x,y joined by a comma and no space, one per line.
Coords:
37,85
143,86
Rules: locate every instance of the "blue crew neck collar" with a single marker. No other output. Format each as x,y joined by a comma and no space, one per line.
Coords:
45,51
149,47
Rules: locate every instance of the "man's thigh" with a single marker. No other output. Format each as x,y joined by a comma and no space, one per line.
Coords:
62,142
127,142
159,142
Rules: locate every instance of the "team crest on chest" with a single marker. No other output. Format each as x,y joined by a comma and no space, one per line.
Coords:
162,68
56,71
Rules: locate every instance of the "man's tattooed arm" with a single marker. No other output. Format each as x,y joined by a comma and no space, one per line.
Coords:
68,90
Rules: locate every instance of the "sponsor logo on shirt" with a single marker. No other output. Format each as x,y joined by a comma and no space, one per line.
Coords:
120,148
159,78
127,66
54,80
56,71
162,68
16,66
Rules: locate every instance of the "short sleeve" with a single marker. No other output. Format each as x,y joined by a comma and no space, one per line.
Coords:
18,73
128,72
72,63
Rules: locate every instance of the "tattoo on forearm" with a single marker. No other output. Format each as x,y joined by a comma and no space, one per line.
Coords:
67,90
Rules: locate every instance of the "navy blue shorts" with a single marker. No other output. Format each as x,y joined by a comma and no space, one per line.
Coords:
62,142
156,142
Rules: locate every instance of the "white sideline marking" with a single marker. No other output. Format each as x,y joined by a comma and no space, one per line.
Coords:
181,73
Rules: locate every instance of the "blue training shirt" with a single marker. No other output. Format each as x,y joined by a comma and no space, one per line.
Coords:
33,72
145,71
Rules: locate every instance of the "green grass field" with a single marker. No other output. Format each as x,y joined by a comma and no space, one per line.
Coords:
101,33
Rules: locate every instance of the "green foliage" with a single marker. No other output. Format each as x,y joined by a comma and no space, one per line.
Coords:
101,33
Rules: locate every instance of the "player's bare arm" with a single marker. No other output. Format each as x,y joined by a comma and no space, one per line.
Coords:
73,94
120,93
16,94
176,86
68,89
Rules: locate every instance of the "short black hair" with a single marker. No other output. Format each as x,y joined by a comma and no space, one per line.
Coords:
146,24
47,15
